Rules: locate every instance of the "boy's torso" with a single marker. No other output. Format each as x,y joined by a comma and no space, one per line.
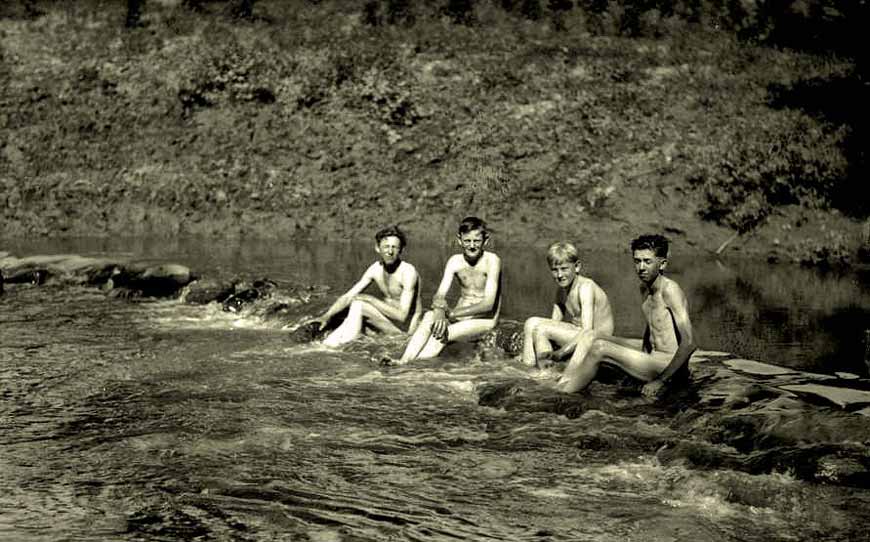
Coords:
472,281
390,284
663,332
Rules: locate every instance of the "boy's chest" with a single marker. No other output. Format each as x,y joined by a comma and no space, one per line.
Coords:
389,284
472,277
654,308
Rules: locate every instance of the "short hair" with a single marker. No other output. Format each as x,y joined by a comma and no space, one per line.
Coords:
392,231
471,223
562,252
655,242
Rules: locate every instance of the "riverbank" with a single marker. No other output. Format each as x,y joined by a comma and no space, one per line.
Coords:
325,120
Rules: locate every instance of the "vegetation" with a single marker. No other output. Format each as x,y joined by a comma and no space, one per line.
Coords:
326,117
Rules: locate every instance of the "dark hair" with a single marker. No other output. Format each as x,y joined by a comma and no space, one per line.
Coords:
391,231
655,242
471,223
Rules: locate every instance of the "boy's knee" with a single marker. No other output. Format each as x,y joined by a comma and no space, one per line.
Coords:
598,347
532,323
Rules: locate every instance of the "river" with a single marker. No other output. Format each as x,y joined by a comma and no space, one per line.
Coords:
157,420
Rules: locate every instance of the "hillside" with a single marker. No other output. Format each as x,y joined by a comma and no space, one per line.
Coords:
330,119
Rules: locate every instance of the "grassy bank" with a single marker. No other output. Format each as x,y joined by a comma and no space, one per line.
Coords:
331,118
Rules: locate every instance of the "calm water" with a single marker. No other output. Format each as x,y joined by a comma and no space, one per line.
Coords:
159,421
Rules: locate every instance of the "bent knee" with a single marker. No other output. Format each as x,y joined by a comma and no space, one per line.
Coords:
532,323
598,348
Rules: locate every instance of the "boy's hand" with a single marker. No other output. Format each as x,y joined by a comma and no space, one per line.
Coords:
439,326
559,355
547,359
653,388
319,320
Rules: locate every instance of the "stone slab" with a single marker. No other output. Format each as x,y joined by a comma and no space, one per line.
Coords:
842,397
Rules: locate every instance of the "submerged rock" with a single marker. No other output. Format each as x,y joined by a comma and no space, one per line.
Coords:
307,333
203,292
131,279
163,280
507,337
26,276
260,289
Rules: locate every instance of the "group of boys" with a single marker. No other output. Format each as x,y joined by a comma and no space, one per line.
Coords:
580,326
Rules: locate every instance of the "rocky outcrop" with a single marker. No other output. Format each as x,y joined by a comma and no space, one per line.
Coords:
734,413
122,278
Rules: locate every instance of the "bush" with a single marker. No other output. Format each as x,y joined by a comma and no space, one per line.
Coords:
782,160
234,73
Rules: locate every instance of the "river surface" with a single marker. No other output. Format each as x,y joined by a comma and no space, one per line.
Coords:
156,420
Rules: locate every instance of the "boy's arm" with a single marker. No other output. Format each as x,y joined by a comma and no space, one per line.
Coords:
397,311
345,299
677,303
490,292
587,305
557,313
439,300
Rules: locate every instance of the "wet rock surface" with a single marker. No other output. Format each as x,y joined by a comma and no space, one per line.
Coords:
123,278
734,414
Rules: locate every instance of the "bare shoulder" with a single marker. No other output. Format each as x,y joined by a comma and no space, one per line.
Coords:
409,271
672,292
454,262
373,270
492,259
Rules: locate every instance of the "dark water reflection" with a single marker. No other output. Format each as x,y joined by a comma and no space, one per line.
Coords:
155,421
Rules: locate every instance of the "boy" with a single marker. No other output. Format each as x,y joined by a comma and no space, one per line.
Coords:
476,312
400,285
668,342
581,308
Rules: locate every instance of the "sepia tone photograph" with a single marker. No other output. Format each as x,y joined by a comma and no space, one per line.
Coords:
434,270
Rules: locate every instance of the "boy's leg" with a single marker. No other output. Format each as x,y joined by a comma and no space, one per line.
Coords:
352,326
457,331
530,332
421,336
540,333
639,364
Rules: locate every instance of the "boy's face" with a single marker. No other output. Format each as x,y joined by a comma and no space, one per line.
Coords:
564,272
389,249
473,243
648,266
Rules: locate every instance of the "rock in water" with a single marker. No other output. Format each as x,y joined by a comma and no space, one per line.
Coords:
507,336
156,281
203,292
34,276
260,289
307,333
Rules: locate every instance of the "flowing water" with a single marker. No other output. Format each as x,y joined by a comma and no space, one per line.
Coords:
156,420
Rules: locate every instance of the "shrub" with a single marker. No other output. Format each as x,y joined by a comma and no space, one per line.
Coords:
786,159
